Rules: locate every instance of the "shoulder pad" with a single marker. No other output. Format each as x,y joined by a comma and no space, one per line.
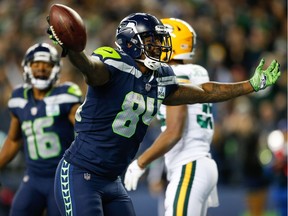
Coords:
107,52
73,89
21,91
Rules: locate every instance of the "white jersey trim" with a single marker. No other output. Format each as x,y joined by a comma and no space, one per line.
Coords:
17,102
61,99
124,67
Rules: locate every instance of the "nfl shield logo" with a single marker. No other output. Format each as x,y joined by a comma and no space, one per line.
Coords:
87,176
33,111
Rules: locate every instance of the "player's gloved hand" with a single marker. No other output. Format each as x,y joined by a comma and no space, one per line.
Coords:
132,175
55,39
263,78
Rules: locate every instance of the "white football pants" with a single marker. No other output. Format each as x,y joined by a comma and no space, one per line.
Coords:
192,188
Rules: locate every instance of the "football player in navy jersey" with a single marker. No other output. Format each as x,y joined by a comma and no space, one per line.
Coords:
187,132
126,86
42,122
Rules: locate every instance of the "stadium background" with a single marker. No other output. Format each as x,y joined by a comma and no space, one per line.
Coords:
232,36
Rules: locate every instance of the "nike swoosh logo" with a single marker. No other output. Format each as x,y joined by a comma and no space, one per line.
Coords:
109,51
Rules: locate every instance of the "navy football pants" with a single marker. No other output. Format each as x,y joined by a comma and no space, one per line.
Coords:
34,195
80,193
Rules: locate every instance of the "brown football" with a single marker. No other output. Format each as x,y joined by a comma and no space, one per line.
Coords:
68,27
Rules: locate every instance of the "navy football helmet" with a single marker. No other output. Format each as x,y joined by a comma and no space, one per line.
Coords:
41,52
131,33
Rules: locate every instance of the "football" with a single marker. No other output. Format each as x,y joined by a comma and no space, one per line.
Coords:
68,27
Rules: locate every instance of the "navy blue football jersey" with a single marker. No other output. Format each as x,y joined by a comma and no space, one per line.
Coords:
46,129
113,119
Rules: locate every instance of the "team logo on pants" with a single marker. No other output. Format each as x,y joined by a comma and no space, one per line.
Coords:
87,176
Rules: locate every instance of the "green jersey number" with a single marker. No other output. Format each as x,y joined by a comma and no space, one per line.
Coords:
133,106
41,144
206,121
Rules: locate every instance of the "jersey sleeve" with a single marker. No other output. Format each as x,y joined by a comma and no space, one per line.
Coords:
104,53
74,90
190,73
18,100
110,57
167,80
199,74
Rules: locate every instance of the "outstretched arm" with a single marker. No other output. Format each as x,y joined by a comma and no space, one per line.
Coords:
217,92
208,92
95,72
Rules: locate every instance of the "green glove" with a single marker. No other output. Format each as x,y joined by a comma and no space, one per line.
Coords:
263,78
54,38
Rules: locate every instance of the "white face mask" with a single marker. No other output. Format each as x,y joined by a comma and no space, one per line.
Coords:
40,84
149,63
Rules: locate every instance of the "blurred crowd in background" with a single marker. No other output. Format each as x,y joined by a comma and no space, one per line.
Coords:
250,142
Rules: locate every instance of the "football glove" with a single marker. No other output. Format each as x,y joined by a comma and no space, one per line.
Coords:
263,78
132,175
55,39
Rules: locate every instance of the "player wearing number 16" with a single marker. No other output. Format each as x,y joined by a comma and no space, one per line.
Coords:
126,86
42,122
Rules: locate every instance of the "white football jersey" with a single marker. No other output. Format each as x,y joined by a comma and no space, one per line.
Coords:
198,132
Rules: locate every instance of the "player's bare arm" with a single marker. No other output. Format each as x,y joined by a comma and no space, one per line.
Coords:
72,113
175,123
217,92
208,92
95,73
12,143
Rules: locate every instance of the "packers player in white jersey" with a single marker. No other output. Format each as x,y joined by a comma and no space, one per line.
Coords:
187,132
